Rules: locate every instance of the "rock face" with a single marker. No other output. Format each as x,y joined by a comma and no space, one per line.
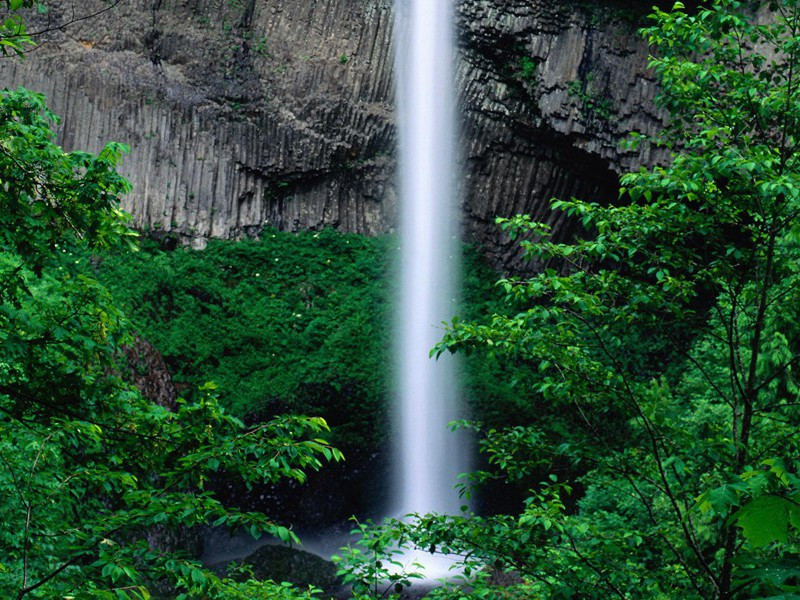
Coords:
243,114
147,370
550,90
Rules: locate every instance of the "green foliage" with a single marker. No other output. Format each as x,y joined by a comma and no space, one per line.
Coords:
13,32
79,496
664,353
377,565
49,195
591,103
57,327
88,468
526,69
299,322
290,322
261,47
769,503
512,450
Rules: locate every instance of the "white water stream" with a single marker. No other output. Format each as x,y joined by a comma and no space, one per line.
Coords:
429,455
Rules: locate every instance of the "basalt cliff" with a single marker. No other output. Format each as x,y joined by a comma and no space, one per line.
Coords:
245,114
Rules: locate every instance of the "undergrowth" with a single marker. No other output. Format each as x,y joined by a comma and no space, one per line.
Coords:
298,323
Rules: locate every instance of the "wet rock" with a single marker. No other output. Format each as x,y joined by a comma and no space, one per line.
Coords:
281,563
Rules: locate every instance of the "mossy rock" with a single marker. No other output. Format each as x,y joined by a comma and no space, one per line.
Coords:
281,563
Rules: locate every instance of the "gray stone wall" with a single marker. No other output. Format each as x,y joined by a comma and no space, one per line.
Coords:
242,114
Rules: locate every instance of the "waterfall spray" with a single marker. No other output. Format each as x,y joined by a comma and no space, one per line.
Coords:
429,456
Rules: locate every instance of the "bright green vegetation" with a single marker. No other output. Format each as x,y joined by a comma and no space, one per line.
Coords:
90,472
291,322
87,466
664,359
654,401
526,69
591,103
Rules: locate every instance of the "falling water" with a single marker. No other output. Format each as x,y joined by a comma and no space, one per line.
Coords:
428,457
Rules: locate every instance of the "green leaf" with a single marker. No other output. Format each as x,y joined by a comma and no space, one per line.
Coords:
767,519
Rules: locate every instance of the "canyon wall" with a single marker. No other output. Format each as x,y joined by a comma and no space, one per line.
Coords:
245,114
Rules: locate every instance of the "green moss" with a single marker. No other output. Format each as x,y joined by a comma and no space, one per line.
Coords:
266,320
592,104
298,323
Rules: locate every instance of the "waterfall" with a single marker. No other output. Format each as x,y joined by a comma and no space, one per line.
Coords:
428,455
